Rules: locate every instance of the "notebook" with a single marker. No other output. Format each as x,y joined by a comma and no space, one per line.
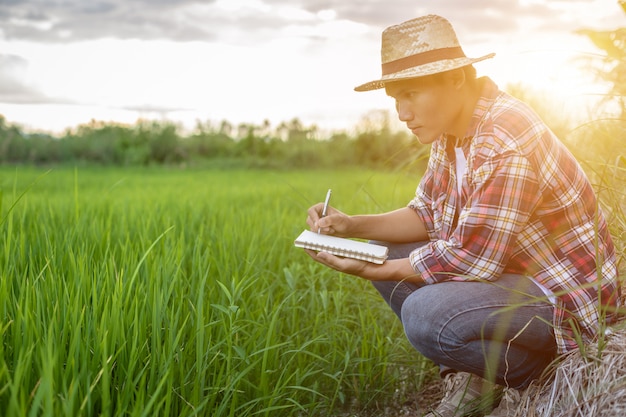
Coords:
339,246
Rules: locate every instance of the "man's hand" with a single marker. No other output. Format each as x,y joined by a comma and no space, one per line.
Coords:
346,265
334,223
391,270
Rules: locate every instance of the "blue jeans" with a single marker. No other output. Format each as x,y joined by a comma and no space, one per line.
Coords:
500,330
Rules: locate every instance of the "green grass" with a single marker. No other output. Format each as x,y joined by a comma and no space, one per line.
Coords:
163,292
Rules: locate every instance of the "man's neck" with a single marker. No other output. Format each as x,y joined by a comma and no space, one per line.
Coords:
470,96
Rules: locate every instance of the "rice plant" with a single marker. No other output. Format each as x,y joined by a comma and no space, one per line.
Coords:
168,292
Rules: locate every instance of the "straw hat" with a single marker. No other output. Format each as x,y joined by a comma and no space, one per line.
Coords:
418,47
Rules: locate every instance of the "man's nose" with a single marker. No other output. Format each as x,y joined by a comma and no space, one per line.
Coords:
404,112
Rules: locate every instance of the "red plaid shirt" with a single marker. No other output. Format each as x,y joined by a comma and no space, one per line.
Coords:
526,207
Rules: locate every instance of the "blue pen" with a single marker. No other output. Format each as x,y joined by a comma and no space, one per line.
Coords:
325,209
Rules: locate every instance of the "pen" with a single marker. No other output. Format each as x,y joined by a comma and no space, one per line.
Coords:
328,193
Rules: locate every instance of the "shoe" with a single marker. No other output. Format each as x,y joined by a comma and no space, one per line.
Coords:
509,404
465,394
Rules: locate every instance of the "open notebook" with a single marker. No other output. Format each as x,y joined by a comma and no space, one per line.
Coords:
339,246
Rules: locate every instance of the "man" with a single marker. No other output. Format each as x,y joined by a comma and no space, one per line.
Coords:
514,262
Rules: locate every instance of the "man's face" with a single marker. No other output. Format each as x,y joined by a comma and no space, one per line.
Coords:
428,105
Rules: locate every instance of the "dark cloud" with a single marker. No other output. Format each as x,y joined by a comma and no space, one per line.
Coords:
68,20
484,17
176,20
381,13
187,20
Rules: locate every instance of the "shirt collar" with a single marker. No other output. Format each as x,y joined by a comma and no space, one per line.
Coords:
488,94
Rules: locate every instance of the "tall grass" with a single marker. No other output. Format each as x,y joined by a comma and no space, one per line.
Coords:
179,293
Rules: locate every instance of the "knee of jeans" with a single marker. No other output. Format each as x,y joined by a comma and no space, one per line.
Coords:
418,322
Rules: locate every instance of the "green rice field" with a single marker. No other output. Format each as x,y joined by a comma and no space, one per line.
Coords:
166,292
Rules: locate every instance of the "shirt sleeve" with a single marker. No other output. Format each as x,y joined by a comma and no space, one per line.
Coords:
505,193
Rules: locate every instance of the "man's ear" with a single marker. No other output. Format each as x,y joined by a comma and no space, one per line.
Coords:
456,77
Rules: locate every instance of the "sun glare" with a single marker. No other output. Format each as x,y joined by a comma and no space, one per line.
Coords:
553,70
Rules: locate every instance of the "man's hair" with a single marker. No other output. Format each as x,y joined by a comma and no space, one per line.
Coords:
469,70
470,73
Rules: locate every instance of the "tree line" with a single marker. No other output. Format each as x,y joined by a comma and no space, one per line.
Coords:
374,144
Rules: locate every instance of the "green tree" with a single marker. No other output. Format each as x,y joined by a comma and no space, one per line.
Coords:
209,142
165,143
13,146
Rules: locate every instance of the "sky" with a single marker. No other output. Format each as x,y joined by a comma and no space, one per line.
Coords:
67,62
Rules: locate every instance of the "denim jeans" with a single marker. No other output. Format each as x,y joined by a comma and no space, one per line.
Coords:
500,330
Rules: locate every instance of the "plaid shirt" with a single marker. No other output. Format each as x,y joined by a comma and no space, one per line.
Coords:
525,207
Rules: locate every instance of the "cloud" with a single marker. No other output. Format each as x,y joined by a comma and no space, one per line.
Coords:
380,14
152,109
13,88
475,21
69,20
261,21
50,21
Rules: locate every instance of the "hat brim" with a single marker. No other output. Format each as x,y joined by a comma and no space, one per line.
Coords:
421,71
